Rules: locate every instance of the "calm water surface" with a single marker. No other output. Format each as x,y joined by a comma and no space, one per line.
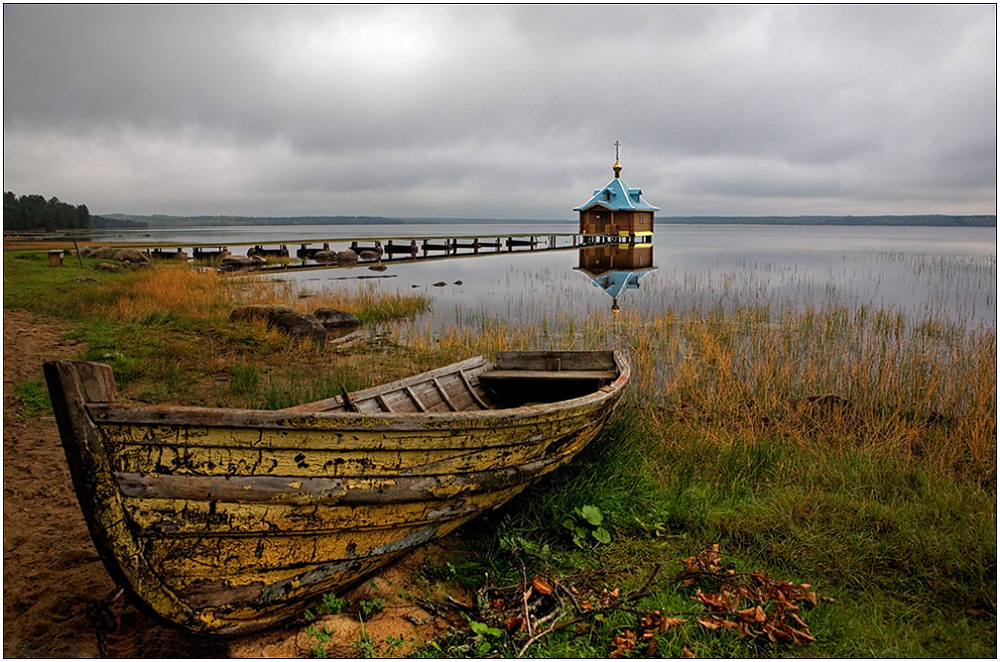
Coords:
947,273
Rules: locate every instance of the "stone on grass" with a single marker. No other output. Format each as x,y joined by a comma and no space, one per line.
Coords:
336,319
285,319
131,255
103,253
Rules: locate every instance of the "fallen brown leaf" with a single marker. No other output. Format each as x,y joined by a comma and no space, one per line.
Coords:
667,623
541,586
710,623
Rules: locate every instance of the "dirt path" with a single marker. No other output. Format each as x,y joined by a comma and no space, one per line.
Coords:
52,575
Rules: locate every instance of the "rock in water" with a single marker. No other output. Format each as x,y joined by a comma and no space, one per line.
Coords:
347,258
326,257
237,262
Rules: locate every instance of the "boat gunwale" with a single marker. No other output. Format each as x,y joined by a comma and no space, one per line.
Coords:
112,413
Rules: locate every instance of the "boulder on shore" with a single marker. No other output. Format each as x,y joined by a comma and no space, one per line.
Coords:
336,319
103,253
131,256
285,319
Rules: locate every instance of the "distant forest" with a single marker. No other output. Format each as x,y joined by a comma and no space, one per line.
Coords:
33,213
163,221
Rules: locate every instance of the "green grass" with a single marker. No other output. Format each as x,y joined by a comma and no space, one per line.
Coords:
908,555
887,505
34,396
166,332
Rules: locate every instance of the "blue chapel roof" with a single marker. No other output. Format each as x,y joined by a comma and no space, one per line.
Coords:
621,197
616,283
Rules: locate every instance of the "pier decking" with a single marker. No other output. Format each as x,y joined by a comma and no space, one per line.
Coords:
378,250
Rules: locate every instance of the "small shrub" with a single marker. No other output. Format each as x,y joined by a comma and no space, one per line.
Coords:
585,524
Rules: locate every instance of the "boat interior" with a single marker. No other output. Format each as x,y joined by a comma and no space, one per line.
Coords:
516,379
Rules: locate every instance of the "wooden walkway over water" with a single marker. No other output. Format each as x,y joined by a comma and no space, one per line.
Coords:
371,250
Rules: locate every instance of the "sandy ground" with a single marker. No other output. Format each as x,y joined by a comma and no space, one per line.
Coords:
53,578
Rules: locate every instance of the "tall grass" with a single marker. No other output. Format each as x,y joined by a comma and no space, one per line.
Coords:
200,295
848,445
880,383
166,331
854,448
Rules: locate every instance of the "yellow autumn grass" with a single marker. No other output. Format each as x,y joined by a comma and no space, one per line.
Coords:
874,381
896,387
200,295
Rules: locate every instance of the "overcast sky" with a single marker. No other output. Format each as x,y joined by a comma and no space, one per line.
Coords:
502,112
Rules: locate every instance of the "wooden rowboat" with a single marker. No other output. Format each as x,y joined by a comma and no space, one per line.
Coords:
227,520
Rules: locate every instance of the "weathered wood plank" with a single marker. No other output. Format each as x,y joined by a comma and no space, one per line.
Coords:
240,595
346,424
473,391
176,518
456,388
182,460
416,399
476,363
545,375
568,360
246,556
444,395
457,434
430,397
295,490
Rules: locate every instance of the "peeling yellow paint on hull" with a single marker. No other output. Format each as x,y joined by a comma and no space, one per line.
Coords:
227,520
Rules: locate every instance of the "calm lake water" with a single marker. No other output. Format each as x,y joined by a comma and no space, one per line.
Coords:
947,273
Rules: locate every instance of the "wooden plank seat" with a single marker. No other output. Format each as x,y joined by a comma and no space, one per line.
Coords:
498,375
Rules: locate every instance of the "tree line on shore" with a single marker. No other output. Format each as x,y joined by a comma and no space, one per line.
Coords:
34,212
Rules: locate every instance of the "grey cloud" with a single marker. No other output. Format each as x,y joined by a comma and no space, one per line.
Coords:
509,111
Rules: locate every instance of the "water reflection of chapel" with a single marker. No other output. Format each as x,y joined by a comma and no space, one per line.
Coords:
617,211
616,268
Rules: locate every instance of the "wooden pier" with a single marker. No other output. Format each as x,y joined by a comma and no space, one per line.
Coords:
376,251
